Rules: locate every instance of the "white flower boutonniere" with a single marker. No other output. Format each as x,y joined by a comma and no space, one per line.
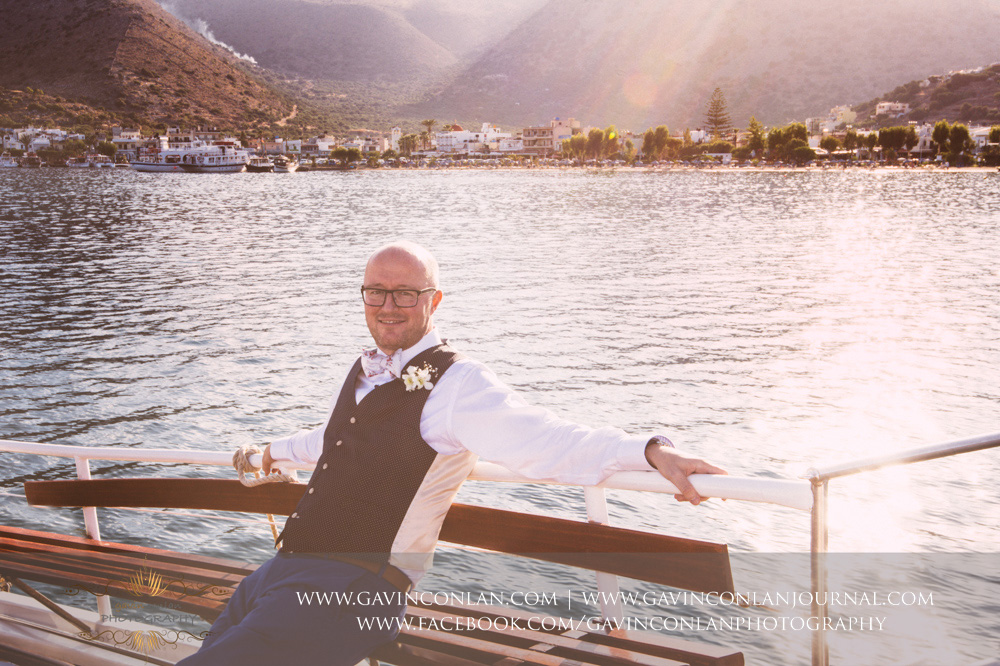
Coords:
418,378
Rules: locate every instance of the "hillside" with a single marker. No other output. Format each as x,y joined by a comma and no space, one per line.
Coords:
344,42
972,97
658,60
128,59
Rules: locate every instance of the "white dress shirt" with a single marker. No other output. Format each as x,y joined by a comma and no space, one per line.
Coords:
470,409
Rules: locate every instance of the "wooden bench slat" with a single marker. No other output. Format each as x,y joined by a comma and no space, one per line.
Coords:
694,565
142,552
81,579
77,562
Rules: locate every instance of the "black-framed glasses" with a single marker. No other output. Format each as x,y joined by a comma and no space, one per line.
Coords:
403,298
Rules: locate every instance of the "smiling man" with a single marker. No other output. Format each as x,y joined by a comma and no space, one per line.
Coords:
404,431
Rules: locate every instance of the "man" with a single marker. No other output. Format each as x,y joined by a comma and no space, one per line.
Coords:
404,431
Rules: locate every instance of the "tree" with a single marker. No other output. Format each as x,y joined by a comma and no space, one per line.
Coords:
941,134
960,142
575,147
717,118
610,145
757,139
994,134
801,154
429,124
649,145
109,149
630,151
851,140
595,143
407,144
830,144
661,139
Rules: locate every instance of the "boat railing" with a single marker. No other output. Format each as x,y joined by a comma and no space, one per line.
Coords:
819,541
808,494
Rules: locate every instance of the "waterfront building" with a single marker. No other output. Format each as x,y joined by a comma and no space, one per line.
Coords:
455,140
318,146
127,141
547,139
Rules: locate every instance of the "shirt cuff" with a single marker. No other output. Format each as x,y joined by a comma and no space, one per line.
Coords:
281,449
632,453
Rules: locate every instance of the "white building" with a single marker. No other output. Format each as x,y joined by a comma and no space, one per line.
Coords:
12,142
455,140
514,144
318,146
894,109
126,141
396,135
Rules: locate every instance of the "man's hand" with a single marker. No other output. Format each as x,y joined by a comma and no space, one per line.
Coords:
267,461
675,468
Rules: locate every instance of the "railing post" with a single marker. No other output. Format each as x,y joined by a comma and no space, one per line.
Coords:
607,584
93,530
819,543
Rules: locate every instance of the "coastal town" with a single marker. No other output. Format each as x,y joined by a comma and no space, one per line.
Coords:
820,141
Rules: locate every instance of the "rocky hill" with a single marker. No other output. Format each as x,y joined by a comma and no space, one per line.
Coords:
128,59
970,97
657,61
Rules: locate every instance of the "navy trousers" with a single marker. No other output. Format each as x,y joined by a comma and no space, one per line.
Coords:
286,612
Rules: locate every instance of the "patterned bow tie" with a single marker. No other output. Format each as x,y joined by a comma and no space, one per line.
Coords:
375,363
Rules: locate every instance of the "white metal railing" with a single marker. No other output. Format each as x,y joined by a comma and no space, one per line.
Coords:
803,494
794,493
820,538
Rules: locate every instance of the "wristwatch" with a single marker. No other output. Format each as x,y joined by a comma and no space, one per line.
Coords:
660,439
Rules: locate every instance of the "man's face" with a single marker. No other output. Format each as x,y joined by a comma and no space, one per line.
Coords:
391,326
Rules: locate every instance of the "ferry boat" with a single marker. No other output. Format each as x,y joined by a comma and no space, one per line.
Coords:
224,156
163,158
36,630
283,164
8,160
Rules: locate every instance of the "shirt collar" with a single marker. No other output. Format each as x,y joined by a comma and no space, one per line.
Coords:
432,339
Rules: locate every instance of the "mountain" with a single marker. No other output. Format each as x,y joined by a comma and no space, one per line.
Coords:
132,59
344,42
649,62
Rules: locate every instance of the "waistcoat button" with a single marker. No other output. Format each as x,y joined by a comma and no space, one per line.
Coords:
294,515
353,420
325,465
339,442
312,490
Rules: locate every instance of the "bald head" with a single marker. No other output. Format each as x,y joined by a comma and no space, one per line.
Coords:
408,268
416,258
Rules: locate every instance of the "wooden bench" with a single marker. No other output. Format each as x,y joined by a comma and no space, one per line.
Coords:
201,585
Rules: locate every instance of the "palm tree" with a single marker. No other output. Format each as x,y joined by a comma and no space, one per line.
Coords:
429,124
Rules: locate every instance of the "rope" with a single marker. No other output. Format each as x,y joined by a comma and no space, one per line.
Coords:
241,461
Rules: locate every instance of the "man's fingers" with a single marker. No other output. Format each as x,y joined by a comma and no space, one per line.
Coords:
688,493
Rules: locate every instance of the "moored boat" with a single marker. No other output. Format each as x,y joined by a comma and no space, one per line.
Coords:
31,161
283,164
260,164
221,157
90,161
7,160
